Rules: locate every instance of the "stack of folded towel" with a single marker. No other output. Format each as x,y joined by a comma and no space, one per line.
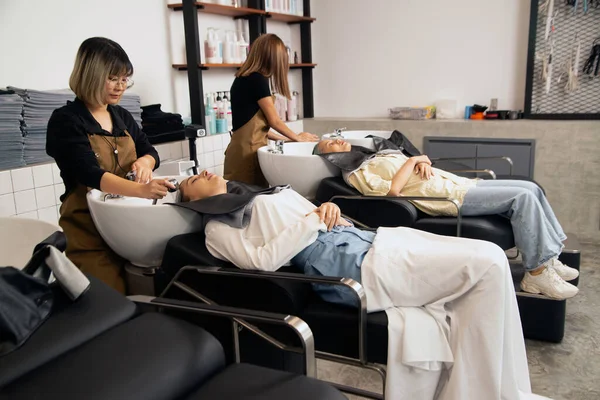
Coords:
156,122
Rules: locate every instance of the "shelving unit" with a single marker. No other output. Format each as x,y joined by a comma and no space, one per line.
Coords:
290,19
210,8
204,67
257,22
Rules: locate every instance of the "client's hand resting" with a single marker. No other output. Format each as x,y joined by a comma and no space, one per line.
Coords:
425,170
421,159
330,214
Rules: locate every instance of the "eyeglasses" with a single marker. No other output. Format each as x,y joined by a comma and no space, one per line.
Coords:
114,82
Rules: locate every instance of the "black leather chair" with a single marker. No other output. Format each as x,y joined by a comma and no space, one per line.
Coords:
375,212
103,347
342,334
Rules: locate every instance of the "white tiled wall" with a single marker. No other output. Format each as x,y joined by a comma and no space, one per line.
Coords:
210,152
31,192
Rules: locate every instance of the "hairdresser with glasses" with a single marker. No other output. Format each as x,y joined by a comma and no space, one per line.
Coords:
95,144
253,109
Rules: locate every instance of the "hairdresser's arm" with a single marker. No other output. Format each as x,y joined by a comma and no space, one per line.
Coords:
403,174
155,189
230,244
268,108
67,142
276,136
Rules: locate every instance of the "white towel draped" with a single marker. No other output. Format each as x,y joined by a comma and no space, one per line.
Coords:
454,327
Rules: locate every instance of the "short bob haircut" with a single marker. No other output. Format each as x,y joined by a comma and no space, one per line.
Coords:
97,59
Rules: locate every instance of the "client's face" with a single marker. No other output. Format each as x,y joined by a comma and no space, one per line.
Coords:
203,185
334,146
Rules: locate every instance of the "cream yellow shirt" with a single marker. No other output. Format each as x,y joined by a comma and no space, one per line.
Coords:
374,178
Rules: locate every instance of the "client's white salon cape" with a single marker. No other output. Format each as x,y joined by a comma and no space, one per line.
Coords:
454,328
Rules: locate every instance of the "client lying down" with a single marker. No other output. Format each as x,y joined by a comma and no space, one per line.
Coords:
538,234
454,328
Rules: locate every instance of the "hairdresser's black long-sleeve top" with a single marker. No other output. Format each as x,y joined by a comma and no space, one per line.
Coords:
67,142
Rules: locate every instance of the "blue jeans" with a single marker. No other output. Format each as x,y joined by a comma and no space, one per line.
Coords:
339,252
538,235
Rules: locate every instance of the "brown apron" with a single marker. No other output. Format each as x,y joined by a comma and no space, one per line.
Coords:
241,156
85,246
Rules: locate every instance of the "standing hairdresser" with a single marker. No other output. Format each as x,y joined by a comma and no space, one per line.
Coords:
95,144
253,109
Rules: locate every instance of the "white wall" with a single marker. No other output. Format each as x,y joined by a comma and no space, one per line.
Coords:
377,54
39,40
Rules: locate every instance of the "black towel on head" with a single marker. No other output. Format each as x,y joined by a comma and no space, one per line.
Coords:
233,208
353,159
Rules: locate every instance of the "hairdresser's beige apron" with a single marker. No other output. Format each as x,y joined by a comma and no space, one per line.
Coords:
241,156
85,246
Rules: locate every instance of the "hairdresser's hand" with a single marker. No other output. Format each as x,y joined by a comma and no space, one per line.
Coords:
424,170
307,137
143,169
329,213
421,159
156,189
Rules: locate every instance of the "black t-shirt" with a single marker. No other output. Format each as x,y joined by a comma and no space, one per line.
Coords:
67,142
246,91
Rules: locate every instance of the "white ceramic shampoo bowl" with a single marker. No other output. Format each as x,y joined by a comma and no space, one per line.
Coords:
359,138
297,166
137,230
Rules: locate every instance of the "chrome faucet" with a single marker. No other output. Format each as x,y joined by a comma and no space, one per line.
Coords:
277,148
337,133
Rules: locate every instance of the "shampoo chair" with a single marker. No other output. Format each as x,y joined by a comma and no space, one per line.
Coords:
105,346
342,334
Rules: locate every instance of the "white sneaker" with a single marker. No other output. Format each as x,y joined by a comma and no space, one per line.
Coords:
564,271
548,283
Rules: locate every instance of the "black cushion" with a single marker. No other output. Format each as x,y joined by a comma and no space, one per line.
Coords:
491,228
152,357
398,212
395,212
69,325
268,295
249,382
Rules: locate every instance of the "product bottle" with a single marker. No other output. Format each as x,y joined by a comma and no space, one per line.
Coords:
226,96
211,47
211,118
222,119
228,114
280,106
229,49
292,107
214,106
219,46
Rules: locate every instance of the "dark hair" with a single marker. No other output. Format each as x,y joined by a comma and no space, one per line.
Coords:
316,150
183,198
96,60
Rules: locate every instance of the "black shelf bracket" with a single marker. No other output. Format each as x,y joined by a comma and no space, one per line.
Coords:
192,52
307,73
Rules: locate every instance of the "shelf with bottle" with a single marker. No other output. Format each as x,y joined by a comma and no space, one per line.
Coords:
217,112
184,67
220,9
289,18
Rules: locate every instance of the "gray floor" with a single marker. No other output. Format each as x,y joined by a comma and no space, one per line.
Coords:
566,371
